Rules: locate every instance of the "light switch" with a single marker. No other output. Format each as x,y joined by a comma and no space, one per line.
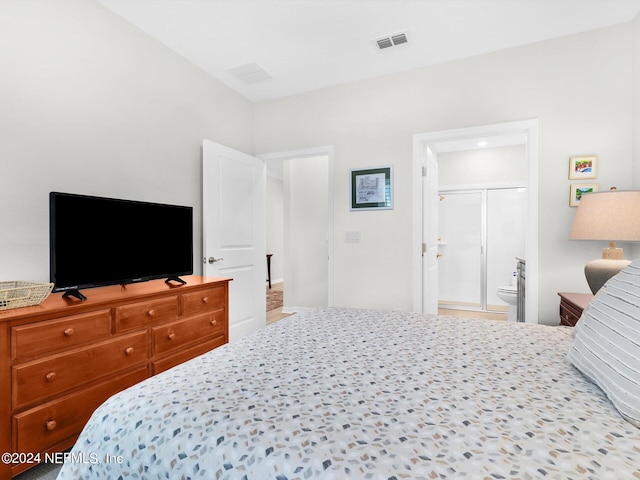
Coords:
352,237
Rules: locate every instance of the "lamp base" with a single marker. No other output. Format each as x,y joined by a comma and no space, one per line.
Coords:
612,253
600,270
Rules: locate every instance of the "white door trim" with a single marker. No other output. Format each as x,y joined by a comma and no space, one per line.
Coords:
430,234
316,152
420,141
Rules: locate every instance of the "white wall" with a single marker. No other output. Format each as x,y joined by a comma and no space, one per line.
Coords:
483,166
92,105
306,203
580,89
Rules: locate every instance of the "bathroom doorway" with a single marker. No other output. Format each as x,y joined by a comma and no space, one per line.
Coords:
476,175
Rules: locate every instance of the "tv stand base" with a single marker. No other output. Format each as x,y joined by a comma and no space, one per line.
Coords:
175,279
74,293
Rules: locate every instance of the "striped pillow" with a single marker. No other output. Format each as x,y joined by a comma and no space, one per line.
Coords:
606,348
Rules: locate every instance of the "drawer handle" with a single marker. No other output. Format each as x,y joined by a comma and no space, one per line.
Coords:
151,312
171,336
205,299
68,332
213,321
129,350
51,425
50,376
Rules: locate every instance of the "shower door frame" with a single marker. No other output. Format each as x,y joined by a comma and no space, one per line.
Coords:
483,190
455,190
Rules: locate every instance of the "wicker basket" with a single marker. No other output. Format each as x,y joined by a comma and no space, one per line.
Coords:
16,294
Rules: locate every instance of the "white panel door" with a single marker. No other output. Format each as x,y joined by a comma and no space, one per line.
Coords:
430,204
233,228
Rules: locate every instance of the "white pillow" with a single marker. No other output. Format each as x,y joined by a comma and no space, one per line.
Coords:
606,348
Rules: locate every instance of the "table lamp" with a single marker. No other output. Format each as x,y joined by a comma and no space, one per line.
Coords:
612,216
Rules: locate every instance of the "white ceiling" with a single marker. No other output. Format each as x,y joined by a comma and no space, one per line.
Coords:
305,45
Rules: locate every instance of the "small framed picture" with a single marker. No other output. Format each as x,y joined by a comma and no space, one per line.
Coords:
583,167
372,188
578,190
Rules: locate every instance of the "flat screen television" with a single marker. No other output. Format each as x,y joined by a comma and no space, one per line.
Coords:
97,241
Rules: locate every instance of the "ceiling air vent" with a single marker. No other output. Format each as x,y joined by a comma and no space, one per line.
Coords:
384,43
249,72
394,40
399,39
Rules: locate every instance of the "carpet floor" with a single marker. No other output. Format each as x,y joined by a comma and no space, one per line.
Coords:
45,471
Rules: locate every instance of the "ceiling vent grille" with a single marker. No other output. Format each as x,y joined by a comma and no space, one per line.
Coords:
384,43
399,39
394,40
249,73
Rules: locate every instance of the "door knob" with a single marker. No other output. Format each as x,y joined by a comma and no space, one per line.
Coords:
214,260
438,255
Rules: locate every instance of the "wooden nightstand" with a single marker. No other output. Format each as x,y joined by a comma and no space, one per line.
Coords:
571,307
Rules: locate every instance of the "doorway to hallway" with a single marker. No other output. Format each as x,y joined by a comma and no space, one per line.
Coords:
300,225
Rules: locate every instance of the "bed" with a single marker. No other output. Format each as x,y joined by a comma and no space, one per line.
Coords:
339,393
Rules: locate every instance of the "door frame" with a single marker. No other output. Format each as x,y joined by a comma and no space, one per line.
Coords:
317,152
430,235
423,140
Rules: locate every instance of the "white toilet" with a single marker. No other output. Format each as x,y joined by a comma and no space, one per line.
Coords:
509,294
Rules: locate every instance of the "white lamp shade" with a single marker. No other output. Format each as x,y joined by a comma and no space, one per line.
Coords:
612,215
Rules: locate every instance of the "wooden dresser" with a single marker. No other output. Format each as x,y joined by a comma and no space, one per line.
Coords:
61,359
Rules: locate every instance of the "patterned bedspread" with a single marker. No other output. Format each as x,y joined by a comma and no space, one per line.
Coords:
357,394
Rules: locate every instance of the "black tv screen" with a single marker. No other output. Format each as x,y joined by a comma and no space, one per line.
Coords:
98,241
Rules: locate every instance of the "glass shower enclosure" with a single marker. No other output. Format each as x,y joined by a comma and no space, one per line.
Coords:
481,232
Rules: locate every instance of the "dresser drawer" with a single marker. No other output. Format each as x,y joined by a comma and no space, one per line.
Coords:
43,427
187,354
203,300
37,380
136,315
61,334
569,314
571,307
177,334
